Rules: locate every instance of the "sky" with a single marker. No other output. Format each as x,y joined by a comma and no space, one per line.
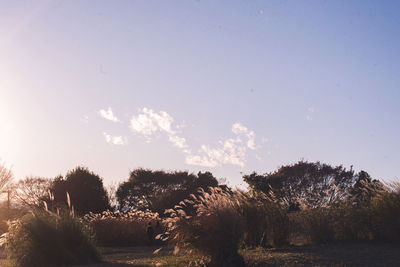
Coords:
229,87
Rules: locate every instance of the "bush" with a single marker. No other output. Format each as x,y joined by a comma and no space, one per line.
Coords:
385,216
44,239
317,224
278,227
8,214
266,221
122,228
376,220
255,228
216,230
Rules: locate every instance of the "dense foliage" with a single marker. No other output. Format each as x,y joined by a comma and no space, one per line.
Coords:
160,190
307,183
44,239
303,203
215,230
85,188
126,228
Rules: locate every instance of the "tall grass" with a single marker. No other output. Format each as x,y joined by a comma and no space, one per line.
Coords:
266,221
376,218
215,230
45,239
122,228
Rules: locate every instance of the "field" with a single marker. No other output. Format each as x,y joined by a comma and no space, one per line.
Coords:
328,255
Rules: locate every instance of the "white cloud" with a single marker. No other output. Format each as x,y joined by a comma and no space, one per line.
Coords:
179,142
238,129
85,119
115,140
202,161
310,110
108,114
149,122
231,151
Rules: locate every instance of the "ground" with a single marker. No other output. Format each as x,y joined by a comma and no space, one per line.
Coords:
328,255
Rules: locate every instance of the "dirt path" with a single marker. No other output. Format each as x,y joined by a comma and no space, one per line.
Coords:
328,255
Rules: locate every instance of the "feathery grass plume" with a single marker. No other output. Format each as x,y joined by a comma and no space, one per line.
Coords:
51,195
266,220
68,200
123,228
215,230
46,239
384,210
45,206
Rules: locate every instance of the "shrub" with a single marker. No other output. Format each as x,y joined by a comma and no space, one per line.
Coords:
45,239
255,228
215,230
385,216
317,224
266,221
122,228
351,223
278,227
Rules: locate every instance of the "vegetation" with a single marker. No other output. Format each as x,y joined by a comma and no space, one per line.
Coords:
6,178
85,188
300,204
122,228
31,191
310,184
215,231
46,239
160,190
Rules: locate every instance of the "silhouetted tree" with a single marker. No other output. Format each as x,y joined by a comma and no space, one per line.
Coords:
32,191
312,184
6,178
365,188
159,190
85,188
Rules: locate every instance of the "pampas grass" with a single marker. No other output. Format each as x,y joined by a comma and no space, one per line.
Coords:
122,228
215,230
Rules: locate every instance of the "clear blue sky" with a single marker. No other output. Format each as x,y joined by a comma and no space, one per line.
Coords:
225,86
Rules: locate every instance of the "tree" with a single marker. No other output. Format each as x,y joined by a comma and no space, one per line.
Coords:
312,184
85,189
365,188
32,191
6,178
160,190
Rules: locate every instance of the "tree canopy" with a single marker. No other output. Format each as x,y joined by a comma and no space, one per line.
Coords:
31,191
159,190
85,188
6,178
312,184
365,188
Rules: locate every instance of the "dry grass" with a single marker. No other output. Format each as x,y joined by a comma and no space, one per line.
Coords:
122,228
215,230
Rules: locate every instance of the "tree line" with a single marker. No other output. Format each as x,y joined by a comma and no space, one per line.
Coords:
301,185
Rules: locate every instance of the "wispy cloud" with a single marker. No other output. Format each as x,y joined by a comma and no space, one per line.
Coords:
108,114
231,151
310,111
85,119
115,140
149,122
238,128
